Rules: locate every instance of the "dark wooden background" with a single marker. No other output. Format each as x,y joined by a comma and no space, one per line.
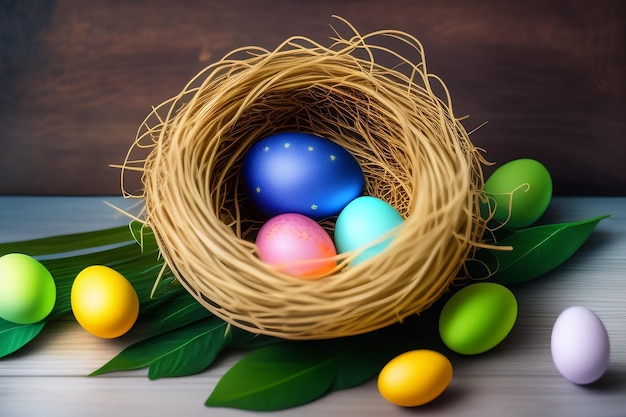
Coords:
77,77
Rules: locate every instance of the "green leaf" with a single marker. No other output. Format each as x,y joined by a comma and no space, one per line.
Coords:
69,242
363,361
144,235
365,358
290,374
242,339
279,376
184,351
15,336
167,283
372,353
194,355
538,250
171,312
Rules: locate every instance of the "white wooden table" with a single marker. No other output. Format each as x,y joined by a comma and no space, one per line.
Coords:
518,378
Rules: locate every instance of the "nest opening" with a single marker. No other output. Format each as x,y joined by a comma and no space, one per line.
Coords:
413,152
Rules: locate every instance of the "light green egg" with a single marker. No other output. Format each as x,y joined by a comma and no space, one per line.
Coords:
27,289
520,192
477,318
361,223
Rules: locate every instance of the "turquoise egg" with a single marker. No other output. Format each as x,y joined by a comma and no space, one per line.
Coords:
361,223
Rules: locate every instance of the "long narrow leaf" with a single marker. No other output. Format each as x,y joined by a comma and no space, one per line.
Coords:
15,336
171,312
144,236
194,355
185,351
139,268
242,339
538,250
70,242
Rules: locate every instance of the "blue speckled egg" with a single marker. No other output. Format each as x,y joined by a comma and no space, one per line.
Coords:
294,172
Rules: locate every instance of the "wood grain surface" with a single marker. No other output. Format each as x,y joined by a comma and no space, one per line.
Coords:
77,78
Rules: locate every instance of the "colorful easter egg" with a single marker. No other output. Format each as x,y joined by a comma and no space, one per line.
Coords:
580,345
519,192
294,172
477,318
415,378
296,245
104,302
27,289
363,222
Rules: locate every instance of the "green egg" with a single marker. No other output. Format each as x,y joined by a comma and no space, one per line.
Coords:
477,318
27,289
520,192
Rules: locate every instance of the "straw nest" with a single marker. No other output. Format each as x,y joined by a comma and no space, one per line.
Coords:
413,151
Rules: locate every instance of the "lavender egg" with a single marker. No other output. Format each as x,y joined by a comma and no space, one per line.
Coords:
580,345
302,173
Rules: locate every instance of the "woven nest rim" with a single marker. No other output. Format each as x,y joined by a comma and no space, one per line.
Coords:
414,152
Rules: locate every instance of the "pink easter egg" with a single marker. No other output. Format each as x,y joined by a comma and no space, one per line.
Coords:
296,245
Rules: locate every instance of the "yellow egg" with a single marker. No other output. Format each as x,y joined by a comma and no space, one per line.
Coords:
104,302
415,378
